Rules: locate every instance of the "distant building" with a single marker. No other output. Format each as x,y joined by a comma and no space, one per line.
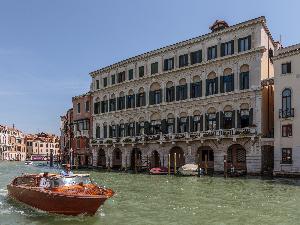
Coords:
82,129
41,145
198,100
66,135
287,108
12,144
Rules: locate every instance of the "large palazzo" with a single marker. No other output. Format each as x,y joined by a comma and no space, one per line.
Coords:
203,99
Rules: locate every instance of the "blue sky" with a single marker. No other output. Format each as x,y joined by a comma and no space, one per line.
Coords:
48,48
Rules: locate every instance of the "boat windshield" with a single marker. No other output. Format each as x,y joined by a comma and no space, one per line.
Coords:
67,181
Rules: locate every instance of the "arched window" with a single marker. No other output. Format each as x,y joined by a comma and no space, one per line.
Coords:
211,84
286,103
130,99
121,101
196,87
97,131
181,90
141,99
170,92
244,77
155,94
227,81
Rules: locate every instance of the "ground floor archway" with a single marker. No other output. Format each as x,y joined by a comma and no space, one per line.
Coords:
135,159
180,158
117,159
236,157
267,159
205,157
154,159
101,162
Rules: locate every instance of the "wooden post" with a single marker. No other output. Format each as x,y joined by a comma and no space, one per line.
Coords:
225,166
175,163
126,163
169,164
198,159
135,161
206,164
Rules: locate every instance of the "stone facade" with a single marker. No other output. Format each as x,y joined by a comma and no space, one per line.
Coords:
287,108
211,119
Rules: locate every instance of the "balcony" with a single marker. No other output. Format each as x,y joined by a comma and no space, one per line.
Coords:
82,133
173,137
286,113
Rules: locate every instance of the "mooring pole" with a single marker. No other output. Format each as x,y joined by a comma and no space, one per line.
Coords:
198,159
126,163
175,163
135,161
225,166
169,164
205,164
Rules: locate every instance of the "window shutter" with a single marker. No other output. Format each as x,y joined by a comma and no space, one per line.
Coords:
151,98
137,128
206,121
216,85
251,116
222,84
241,82
188,124
164,126
238,119
133,100
147,127
207,83
185,91
133,130
239,45
222,49
137,100
127,101
233,119
117,131
221,120
160,96
192,128
165,64
232,82
232,47
249,42
217,120
126,125
192,95
201,123
289,67
110,131
200,84
178,125
177,93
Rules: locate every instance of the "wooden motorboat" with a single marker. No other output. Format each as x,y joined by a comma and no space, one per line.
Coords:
68,195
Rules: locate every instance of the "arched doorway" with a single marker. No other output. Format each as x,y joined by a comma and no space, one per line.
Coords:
135,159
101,162
236,157
117,159
205,157
155,159
267,159
180,159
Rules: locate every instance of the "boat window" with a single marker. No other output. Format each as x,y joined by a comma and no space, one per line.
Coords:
66,181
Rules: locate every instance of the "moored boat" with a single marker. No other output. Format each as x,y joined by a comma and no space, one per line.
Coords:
68,195
159,171
28,162
189,170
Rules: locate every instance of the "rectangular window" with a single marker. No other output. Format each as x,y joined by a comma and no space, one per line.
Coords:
141,71
286,68
113,79
130,74
227,48
154,68
87,106
183,60
168,64
212,52
121,77
244,44
196,57
287,157
287,130
78,107
105,82
97,84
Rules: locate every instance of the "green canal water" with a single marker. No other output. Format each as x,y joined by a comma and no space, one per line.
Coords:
145,199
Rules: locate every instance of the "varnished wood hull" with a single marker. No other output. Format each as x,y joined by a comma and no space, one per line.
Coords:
56,202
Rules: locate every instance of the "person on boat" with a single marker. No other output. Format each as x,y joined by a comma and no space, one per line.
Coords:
44,182
67,171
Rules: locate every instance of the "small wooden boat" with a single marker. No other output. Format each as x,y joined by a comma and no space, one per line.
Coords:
28,163
189,170
68,195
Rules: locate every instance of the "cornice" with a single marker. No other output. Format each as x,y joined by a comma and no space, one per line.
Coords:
175,46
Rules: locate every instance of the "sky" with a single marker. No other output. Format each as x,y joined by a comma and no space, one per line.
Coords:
48,48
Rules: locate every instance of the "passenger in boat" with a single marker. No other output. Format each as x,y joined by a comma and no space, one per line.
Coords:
44,183
67,171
